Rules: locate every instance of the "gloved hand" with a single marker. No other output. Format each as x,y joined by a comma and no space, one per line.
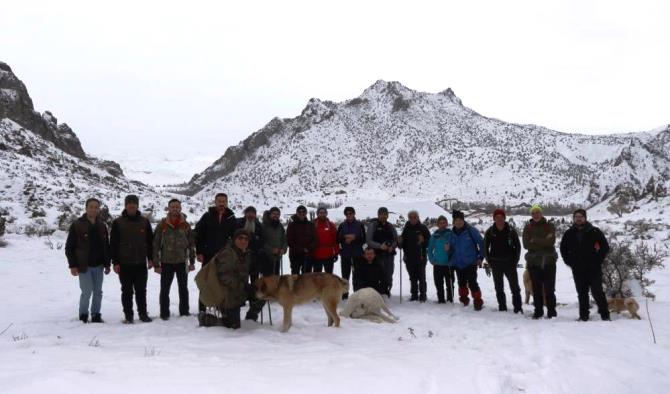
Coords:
487,269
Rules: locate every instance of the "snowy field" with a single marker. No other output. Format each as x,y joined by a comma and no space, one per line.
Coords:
452,349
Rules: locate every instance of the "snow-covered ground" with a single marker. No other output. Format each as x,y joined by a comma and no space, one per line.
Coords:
453,349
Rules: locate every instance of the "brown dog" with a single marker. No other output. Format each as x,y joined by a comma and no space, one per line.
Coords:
290,290
619,305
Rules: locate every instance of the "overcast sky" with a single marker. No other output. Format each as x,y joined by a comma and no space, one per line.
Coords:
130,73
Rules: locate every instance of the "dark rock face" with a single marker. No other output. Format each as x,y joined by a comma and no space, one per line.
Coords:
16,104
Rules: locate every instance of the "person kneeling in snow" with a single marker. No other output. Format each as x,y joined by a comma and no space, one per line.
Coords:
224,281
369,272
467,248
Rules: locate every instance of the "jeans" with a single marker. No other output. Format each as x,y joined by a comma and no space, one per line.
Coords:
168,272
90,283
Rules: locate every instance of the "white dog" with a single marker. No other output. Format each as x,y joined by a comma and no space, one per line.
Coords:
367,304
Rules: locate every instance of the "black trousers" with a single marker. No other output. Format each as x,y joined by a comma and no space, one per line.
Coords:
507,270
416,268
443,275
467,278
592,280
133,279
346,264
255,305
544,286
297,264
168,272
314,265
230,318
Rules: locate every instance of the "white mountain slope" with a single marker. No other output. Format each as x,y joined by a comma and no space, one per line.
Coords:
45,176
395,143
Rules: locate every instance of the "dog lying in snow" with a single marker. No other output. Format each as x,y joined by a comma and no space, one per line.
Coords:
624,304
367,304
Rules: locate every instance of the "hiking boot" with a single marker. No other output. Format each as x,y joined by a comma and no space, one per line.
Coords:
478,301
345,296
251,316
502,308
96,318
441,301
165,317
84,318
583,318
538,315
145,319
129,320
423,298
414,297
518,310
605,317
551,313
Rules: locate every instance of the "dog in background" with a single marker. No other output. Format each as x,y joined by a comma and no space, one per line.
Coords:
368,304
291,290
619,305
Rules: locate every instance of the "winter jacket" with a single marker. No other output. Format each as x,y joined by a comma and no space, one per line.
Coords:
414,250
379,233
131,239
502,247
436,253
173,242
584,248
87,244
232,266
466,246
326,240
274,235
539,239
256,241
355,248
300,235
213,231
370,275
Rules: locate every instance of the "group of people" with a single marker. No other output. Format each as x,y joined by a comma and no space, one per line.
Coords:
242,249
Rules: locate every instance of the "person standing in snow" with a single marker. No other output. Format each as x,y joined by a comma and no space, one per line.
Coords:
414,242
257,260
351,236
438,255
583,249
502,250
327,247
467,254
131,245
301,240
88,256
383,238
174,254
274,238
539,237
213,231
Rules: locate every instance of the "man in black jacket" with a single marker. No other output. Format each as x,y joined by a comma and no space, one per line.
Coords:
214,229
301,239
369,272
414,241
131,244
502,251
583,248
383,238
87,252
258,262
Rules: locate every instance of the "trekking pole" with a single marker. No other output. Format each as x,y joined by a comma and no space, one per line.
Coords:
646,304
281,265
400,275
261,316
270,313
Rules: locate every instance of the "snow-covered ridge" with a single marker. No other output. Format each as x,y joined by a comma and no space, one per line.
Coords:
392,142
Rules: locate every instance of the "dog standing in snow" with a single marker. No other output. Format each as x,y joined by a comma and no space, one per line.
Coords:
367,304
619,305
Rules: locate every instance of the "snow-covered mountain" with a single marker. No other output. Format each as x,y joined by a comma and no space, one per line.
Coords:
45,175
394,143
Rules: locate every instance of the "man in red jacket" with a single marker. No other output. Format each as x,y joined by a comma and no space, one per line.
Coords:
327,247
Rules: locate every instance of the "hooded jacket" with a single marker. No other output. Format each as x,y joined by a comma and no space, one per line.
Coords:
584,247
466,246
436,253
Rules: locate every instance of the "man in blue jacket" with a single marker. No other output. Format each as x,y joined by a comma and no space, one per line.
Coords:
351,236
467,253
438,255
